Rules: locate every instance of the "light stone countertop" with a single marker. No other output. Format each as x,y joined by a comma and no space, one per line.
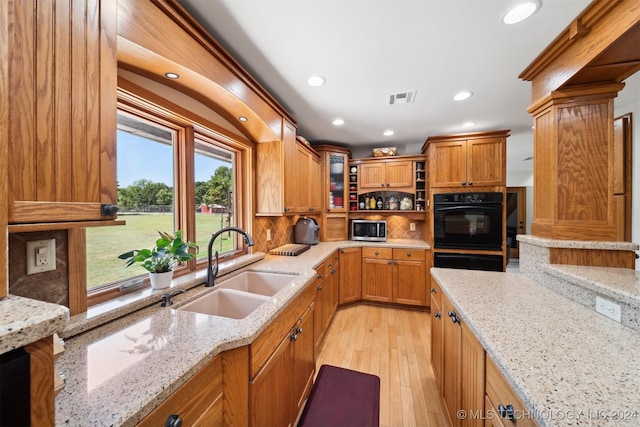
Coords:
119,372
569,364
25,320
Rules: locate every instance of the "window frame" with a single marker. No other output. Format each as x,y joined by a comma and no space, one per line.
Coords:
189,127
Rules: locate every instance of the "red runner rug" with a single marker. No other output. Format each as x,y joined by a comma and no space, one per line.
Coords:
342,397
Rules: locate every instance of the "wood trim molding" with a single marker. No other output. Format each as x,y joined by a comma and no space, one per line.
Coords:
4,144
77,268
42,382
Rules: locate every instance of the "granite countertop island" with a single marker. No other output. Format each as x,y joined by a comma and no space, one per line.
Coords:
569,364
119,372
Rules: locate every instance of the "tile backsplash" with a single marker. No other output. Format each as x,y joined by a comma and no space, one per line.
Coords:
50,286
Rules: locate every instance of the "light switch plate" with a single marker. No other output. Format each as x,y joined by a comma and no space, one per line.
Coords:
41,256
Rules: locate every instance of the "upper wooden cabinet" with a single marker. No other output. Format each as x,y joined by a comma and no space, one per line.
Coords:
61,124
386,174
334,192
287,175
467,160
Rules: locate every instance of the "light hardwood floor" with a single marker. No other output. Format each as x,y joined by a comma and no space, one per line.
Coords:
393,344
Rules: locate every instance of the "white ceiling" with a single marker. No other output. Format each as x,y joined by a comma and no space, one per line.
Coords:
369,49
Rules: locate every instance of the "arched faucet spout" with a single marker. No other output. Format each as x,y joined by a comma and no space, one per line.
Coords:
212,271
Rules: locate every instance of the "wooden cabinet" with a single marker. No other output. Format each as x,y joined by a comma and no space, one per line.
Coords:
61,125
501,401
463,379
377,274
283,365
216,395
334,192
301,173
350,274
467,160
437,333
287,175
386,174
327,295
198,402
394,275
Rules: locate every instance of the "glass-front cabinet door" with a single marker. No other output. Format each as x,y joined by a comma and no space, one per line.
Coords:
337,189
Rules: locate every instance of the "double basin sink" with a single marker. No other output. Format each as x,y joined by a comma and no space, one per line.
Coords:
240,295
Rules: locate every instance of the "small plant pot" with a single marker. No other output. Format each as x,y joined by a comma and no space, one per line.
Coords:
161,280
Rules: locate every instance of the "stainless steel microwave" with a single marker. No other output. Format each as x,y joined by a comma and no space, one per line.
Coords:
368,230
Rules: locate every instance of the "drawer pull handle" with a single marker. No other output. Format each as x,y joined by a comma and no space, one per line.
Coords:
173,421
507,412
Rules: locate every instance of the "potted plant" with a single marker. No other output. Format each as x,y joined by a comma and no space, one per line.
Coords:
161,260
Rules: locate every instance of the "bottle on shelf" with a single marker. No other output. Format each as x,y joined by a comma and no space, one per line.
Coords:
379,202
361,205
372,202
366,202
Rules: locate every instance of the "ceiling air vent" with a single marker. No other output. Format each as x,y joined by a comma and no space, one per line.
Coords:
403,98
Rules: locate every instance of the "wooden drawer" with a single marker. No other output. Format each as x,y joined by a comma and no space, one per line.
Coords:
197,401
373,252
409,254
500,394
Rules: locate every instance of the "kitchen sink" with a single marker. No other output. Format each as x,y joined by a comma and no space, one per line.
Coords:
229,303
261,283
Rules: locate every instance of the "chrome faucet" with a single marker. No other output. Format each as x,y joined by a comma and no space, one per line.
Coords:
212,272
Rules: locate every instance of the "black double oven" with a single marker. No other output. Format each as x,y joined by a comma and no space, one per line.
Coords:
469,222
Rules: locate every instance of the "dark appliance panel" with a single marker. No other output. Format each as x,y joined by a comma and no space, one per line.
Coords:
468,221
468,261
15,388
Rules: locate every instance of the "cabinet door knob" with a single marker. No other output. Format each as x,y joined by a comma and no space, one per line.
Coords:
298,330
294,337
319,287
389,262
173,421
470,182
408,254
463,183
310,209
286,209
395,262
377,253
507,412
333,272
341,251
108,210
433,290
437,315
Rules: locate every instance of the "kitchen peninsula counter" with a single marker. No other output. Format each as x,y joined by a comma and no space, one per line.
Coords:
119,372
569,364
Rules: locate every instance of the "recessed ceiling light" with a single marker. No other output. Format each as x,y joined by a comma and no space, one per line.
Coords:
521,11
338,122
461,96
243,119
388,132
468,124
316,81
172,75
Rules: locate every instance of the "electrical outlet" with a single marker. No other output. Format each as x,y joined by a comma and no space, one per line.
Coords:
609,309
268,234
412,226
41,256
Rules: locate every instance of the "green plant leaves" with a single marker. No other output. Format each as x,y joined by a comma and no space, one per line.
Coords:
169,251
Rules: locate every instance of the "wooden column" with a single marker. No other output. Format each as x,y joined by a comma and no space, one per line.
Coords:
573,164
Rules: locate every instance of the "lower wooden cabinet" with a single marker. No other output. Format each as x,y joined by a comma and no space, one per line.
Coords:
281,387
216,395
394,275
437,331
503,407
327,285
468,378
350,275
463,369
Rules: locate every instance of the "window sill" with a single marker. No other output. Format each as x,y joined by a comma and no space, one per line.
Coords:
107,311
